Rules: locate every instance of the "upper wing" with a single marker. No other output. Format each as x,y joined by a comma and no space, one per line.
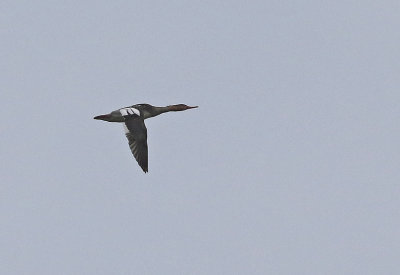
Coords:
136,132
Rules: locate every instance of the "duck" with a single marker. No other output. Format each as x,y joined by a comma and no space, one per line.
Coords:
133,118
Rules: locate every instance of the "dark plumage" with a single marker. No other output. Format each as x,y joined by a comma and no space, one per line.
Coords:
135,130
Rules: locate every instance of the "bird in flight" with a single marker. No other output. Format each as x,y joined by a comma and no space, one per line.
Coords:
135,130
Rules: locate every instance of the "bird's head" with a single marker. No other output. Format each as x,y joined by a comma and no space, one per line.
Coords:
180,107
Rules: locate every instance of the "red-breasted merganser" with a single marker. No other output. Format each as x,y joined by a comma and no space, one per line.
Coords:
135,130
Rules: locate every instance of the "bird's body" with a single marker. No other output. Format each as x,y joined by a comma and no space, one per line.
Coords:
135,130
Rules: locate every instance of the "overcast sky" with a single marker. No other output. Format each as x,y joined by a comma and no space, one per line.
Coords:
289,166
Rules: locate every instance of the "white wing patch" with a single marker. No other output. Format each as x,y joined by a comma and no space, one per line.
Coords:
129,111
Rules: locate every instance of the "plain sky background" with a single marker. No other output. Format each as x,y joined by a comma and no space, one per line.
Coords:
289,166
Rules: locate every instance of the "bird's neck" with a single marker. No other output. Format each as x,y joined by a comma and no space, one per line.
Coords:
160,110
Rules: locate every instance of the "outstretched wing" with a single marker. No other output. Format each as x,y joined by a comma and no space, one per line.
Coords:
136,132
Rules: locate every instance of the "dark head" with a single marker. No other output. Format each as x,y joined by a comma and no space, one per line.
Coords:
180,107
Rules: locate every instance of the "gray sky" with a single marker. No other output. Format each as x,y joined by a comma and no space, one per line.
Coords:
289,166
